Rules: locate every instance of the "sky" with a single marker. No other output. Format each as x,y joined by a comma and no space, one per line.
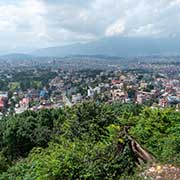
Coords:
26,25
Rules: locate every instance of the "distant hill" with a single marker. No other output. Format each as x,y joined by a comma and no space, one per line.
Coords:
17,56
116,46
108,47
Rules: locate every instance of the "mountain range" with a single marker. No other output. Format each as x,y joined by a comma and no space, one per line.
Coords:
117,46
112,46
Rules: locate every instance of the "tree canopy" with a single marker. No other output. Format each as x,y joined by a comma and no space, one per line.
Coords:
87,141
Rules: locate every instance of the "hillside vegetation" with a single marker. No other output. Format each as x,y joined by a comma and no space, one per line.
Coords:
87,141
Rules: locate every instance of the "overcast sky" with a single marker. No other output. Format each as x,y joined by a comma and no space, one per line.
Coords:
31,24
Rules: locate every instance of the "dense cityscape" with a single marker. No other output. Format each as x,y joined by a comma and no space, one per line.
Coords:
54,83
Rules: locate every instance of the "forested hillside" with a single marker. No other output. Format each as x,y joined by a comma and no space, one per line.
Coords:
87,141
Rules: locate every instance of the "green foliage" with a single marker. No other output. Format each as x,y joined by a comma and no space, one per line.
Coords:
4,164
86,141
20,133
75,159
159,131
13,86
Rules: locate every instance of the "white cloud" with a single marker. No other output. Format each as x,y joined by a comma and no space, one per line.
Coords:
25,12
20,23
146,30
39,23
116,28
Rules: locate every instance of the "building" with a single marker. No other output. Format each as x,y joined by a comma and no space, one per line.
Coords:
76,98
118,95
